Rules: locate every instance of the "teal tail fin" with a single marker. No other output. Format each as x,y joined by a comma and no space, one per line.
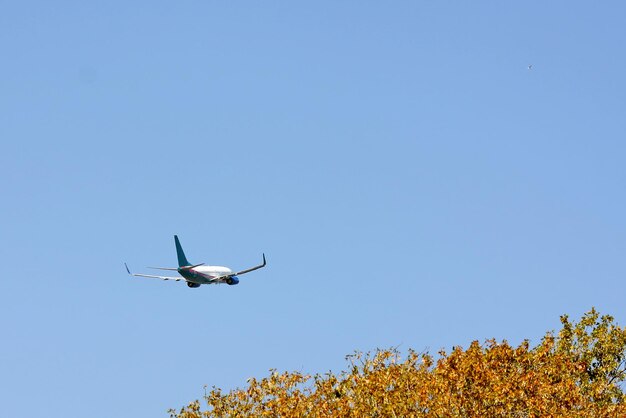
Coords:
182,260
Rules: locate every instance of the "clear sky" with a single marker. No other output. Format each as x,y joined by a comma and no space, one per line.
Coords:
411,181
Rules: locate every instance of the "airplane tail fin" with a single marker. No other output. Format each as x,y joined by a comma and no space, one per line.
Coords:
182,260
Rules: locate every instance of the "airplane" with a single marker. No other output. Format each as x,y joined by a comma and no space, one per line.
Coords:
198,274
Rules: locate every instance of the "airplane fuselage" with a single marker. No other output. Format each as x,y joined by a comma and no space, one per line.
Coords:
205,274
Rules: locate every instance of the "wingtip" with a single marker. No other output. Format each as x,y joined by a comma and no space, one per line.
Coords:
127,269
264,262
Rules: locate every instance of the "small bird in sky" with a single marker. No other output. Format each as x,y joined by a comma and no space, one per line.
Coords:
530,66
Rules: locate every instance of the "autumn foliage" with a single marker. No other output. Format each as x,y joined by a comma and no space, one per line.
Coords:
578,372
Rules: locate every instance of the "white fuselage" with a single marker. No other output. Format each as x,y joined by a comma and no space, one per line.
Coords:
204,274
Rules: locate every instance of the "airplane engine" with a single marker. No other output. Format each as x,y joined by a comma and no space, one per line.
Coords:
193,284
232,280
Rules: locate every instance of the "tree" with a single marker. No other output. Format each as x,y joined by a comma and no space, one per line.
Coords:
578,372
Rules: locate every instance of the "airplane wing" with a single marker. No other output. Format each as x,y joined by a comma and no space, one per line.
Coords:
176,279
221,279
251,269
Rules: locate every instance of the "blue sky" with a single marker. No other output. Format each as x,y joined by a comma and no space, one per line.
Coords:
410,180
